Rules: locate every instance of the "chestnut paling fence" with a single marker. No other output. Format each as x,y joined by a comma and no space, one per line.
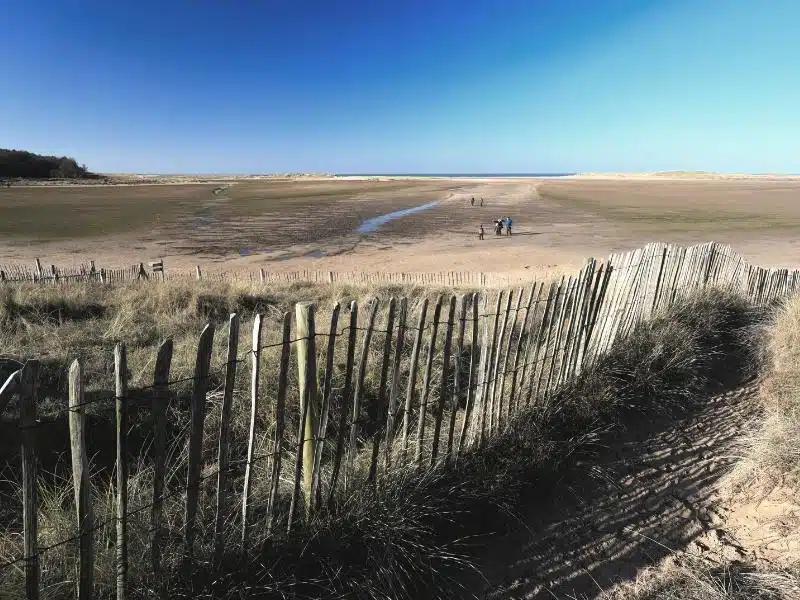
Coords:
359,391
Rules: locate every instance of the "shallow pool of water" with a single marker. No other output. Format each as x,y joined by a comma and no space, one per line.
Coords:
371,225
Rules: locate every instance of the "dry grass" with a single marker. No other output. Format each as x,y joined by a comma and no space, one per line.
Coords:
688,578
412,538
772,454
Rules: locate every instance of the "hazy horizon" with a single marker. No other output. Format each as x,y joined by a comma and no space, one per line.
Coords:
363,87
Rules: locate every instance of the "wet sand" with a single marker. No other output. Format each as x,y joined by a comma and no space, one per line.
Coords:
285,225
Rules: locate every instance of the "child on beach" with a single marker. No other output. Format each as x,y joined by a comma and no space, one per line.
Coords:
480,232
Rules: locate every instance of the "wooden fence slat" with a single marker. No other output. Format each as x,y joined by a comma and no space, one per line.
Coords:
472,379
488,398
355,423
255,362
572,317
197,419
548,326
276,456
458,379
316,494
448,340
121,406
347,393
381,408
426,382
394,392
480,398
223,449
28,403
412,374
504,370
159,413
515,375
81,483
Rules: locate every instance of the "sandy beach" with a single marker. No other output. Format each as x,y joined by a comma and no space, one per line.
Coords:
312,222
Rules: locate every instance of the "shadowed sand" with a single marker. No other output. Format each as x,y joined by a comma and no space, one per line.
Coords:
650,492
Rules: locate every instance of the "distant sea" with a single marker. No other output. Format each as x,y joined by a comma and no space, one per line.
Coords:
454,174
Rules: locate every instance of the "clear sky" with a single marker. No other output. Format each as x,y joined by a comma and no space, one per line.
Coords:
404,86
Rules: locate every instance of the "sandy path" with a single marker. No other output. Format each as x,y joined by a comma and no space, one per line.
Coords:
650,492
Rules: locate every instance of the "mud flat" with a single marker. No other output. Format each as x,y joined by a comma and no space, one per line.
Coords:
313,222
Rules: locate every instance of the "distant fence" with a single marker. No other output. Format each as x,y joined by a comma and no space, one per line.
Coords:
379,387
156,272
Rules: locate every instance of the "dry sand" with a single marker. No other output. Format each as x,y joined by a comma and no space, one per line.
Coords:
311,222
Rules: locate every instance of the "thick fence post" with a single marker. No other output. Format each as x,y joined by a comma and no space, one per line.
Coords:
223,449
198,415
28,401
121,402
81,483
305,329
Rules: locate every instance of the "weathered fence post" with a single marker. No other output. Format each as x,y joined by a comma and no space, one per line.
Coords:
355,424
471,380
412,375
448,340
81,483
305,329
458,380
159,412
255,356
121,402
316,496
198,414
426,382
480,398
348,383
381,408
280,408
394,392
28,401
223,449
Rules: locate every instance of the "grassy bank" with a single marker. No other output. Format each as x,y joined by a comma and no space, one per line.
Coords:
767,475
414,537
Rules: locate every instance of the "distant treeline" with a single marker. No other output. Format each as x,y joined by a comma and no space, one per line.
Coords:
27,165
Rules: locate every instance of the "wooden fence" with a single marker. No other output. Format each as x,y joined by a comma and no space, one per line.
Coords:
141,273
374,388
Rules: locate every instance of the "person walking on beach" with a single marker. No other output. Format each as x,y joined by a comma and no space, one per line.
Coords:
472,202
480,232
508,225
481,201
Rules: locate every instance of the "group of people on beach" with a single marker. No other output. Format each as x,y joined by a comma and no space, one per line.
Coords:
499,225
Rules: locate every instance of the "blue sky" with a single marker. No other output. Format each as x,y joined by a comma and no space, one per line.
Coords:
412,86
